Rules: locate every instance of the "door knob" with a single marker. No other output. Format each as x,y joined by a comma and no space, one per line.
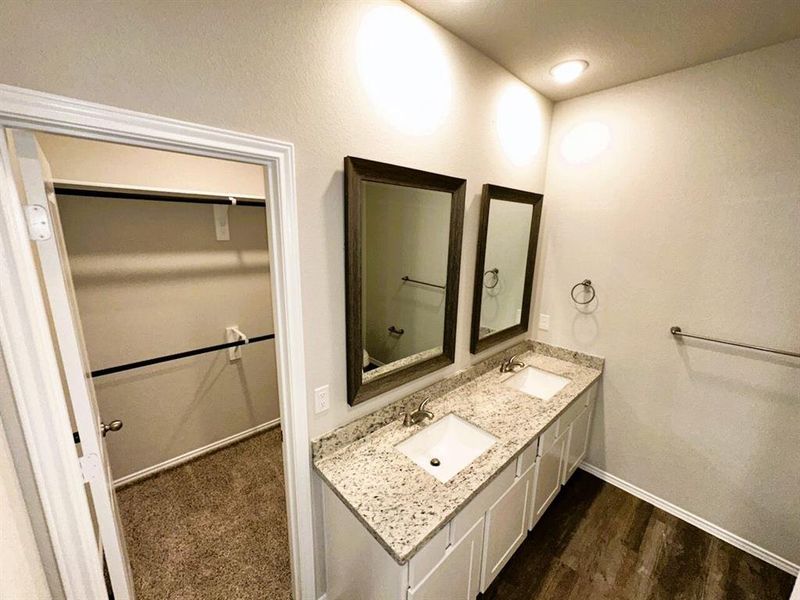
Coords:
115,425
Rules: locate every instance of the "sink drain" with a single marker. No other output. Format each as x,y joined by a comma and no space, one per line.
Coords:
435,462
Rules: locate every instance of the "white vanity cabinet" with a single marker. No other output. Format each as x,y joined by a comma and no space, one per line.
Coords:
547,473
457,574
576,429
506,527
464,557
562,447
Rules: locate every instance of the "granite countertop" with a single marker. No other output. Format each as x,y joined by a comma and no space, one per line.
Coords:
402,505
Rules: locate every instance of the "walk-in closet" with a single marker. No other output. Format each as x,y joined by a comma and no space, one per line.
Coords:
169,260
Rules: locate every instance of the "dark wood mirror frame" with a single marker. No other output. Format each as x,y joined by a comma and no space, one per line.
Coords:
356,172
495,192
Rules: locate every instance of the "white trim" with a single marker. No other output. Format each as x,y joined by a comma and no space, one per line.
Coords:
30,354
115,187
323,597
196,453
676,511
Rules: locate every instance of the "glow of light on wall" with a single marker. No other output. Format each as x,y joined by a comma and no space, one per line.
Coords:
585,142
519,124
403,69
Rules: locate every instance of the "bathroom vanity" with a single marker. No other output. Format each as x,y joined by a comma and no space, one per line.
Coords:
436,509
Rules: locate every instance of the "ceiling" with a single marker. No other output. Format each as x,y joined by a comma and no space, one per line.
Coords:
623,40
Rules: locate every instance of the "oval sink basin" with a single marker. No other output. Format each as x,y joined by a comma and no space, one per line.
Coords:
535,382
446,446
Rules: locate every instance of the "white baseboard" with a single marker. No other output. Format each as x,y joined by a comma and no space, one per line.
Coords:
684,515
196,453
323,597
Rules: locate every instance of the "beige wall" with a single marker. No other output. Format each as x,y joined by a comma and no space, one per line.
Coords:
22,517
690,217
293,70
21,569
152,279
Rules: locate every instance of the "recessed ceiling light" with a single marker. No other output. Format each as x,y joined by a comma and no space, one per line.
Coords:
569,71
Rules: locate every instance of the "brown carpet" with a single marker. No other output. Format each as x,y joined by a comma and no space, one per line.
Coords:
213,528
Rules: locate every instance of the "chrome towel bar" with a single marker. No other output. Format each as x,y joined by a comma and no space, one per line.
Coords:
435,285
677,332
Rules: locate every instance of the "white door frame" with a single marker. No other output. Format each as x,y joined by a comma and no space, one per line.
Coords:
31,356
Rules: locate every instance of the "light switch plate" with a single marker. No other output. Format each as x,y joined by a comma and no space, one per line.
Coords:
322,400
544,322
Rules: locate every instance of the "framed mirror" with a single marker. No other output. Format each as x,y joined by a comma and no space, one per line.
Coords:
402,258
507,238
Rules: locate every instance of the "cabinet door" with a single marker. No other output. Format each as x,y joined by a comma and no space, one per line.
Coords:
578,441
506,527
457,575
547,478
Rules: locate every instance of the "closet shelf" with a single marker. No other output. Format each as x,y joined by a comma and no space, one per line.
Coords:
122,193
179,355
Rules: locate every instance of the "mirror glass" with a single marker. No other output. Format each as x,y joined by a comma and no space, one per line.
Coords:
505,263
405,240
403,230
509,230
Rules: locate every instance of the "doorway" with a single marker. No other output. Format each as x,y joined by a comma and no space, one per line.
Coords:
177,445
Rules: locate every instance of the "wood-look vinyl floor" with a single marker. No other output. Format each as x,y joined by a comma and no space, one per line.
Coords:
597,542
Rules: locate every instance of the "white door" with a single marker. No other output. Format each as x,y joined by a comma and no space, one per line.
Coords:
547,479
578,441
457,575
506,527
40,205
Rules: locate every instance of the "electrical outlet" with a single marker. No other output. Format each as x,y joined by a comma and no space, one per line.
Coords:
544,322
322,400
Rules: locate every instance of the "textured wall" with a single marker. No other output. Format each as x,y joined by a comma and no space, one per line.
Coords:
689,217
292,71
301,72
152,279
22,572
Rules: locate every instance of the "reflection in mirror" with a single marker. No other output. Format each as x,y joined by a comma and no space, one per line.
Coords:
405,238
505,262
403,247
508,234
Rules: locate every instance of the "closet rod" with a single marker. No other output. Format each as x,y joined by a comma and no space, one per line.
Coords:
186,354
152,196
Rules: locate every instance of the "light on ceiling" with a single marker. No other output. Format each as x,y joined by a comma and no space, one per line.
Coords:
569,71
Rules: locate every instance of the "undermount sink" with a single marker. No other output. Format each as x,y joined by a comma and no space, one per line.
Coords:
445,447
535,382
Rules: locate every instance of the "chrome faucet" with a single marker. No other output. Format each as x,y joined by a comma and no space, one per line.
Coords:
510,364
418,415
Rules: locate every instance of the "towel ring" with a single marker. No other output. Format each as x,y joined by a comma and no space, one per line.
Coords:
586,283
494,272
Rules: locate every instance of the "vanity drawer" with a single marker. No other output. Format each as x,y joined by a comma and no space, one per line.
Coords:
475,508
527,457
426,559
